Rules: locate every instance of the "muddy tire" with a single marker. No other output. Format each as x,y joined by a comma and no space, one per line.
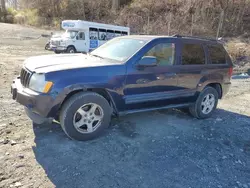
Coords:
85,116
205,104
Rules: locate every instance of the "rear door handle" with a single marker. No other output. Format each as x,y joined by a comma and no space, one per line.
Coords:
204,72
170,74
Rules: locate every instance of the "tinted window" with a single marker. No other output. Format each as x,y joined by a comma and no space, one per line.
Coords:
193,54
124,33
93,33
102,34
110,34
217,55
164,53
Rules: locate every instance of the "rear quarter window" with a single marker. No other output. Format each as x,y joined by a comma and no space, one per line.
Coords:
217,54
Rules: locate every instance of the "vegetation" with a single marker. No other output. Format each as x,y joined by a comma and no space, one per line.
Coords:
214,18
191,17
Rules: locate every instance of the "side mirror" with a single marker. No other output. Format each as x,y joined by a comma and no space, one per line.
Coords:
77,37
147,61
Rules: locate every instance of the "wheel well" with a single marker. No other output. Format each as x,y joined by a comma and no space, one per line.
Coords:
71,46
218,88
101,92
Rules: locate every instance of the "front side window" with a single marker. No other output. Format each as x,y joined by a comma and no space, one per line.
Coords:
217,55
193,54
164,52
70,34
119,49
81,36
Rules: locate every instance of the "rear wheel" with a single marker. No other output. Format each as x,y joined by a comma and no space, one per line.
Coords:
85,116
205,104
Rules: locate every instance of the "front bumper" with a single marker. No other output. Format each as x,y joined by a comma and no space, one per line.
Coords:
58,48
38,103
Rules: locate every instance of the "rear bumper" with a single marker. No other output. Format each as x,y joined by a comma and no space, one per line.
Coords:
225,88
38,103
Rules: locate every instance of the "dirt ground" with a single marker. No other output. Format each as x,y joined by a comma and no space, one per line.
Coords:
156,149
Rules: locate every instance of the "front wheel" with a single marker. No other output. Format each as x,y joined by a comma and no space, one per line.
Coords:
71,50
85,116
205,104
47,46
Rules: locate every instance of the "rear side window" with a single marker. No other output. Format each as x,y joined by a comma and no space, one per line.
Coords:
217,55
193,54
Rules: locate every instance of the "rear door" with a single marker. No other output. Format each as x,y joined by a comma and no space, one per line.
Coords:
192,66
220,63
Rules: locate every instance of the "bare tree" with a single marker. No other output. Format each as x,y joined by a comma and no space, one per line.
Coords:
115,4
192,12
223,4
3,10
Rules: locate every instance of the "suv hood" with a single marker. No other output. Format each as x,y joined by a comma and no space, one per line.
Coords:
50,63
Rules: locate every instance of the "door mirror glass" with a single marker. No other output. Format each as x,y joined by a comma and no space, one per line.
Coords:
147,61
77,38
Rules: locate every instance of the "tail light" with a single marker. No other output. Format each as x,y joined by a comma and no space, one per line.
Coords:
230,72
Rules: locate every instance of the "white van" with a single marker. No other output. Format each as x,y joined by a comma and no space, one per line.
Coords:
83,36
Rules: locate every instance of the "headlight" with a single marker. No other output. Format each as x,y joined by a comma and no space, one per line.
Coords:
38,83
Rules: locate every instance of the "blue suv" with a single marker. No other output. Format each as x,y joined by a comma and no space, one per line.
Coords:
125,75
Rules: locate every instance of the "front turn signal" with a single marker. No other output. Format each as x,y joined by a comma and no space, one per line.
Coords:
47,87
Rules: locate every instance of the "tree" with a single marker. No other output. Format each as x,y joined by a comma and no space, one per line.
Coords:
3,10
223,6
115,4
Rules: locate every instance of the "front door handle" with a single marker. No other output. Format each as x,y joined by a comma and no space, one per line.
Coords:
166,75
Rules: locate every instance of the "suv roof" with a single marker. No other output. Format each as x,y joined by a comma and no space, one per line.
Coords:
152,37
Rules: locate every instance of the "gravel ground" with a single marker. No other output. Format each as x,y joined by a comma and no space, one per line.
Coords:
156,149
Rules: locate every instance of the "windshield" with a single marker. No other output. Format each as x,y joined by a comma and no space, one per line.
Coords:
119,49
70,34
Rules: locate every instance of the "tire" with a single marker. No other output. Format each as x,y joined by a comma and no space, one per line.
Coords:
197,109
71,50
70,110
57,52
47,46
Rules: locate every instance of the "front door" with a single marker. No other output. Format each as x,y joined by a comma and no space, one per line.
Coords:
80,42
152,84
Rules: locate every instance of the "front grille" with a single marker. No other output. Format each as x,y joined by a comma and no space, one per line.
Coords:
55,43
25,77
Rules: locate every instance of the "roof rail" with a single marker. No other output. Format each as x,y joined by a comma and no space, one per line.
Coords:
195,37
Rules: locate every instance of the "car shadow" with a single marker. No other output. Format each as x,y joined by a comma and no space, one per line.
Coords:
156,149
